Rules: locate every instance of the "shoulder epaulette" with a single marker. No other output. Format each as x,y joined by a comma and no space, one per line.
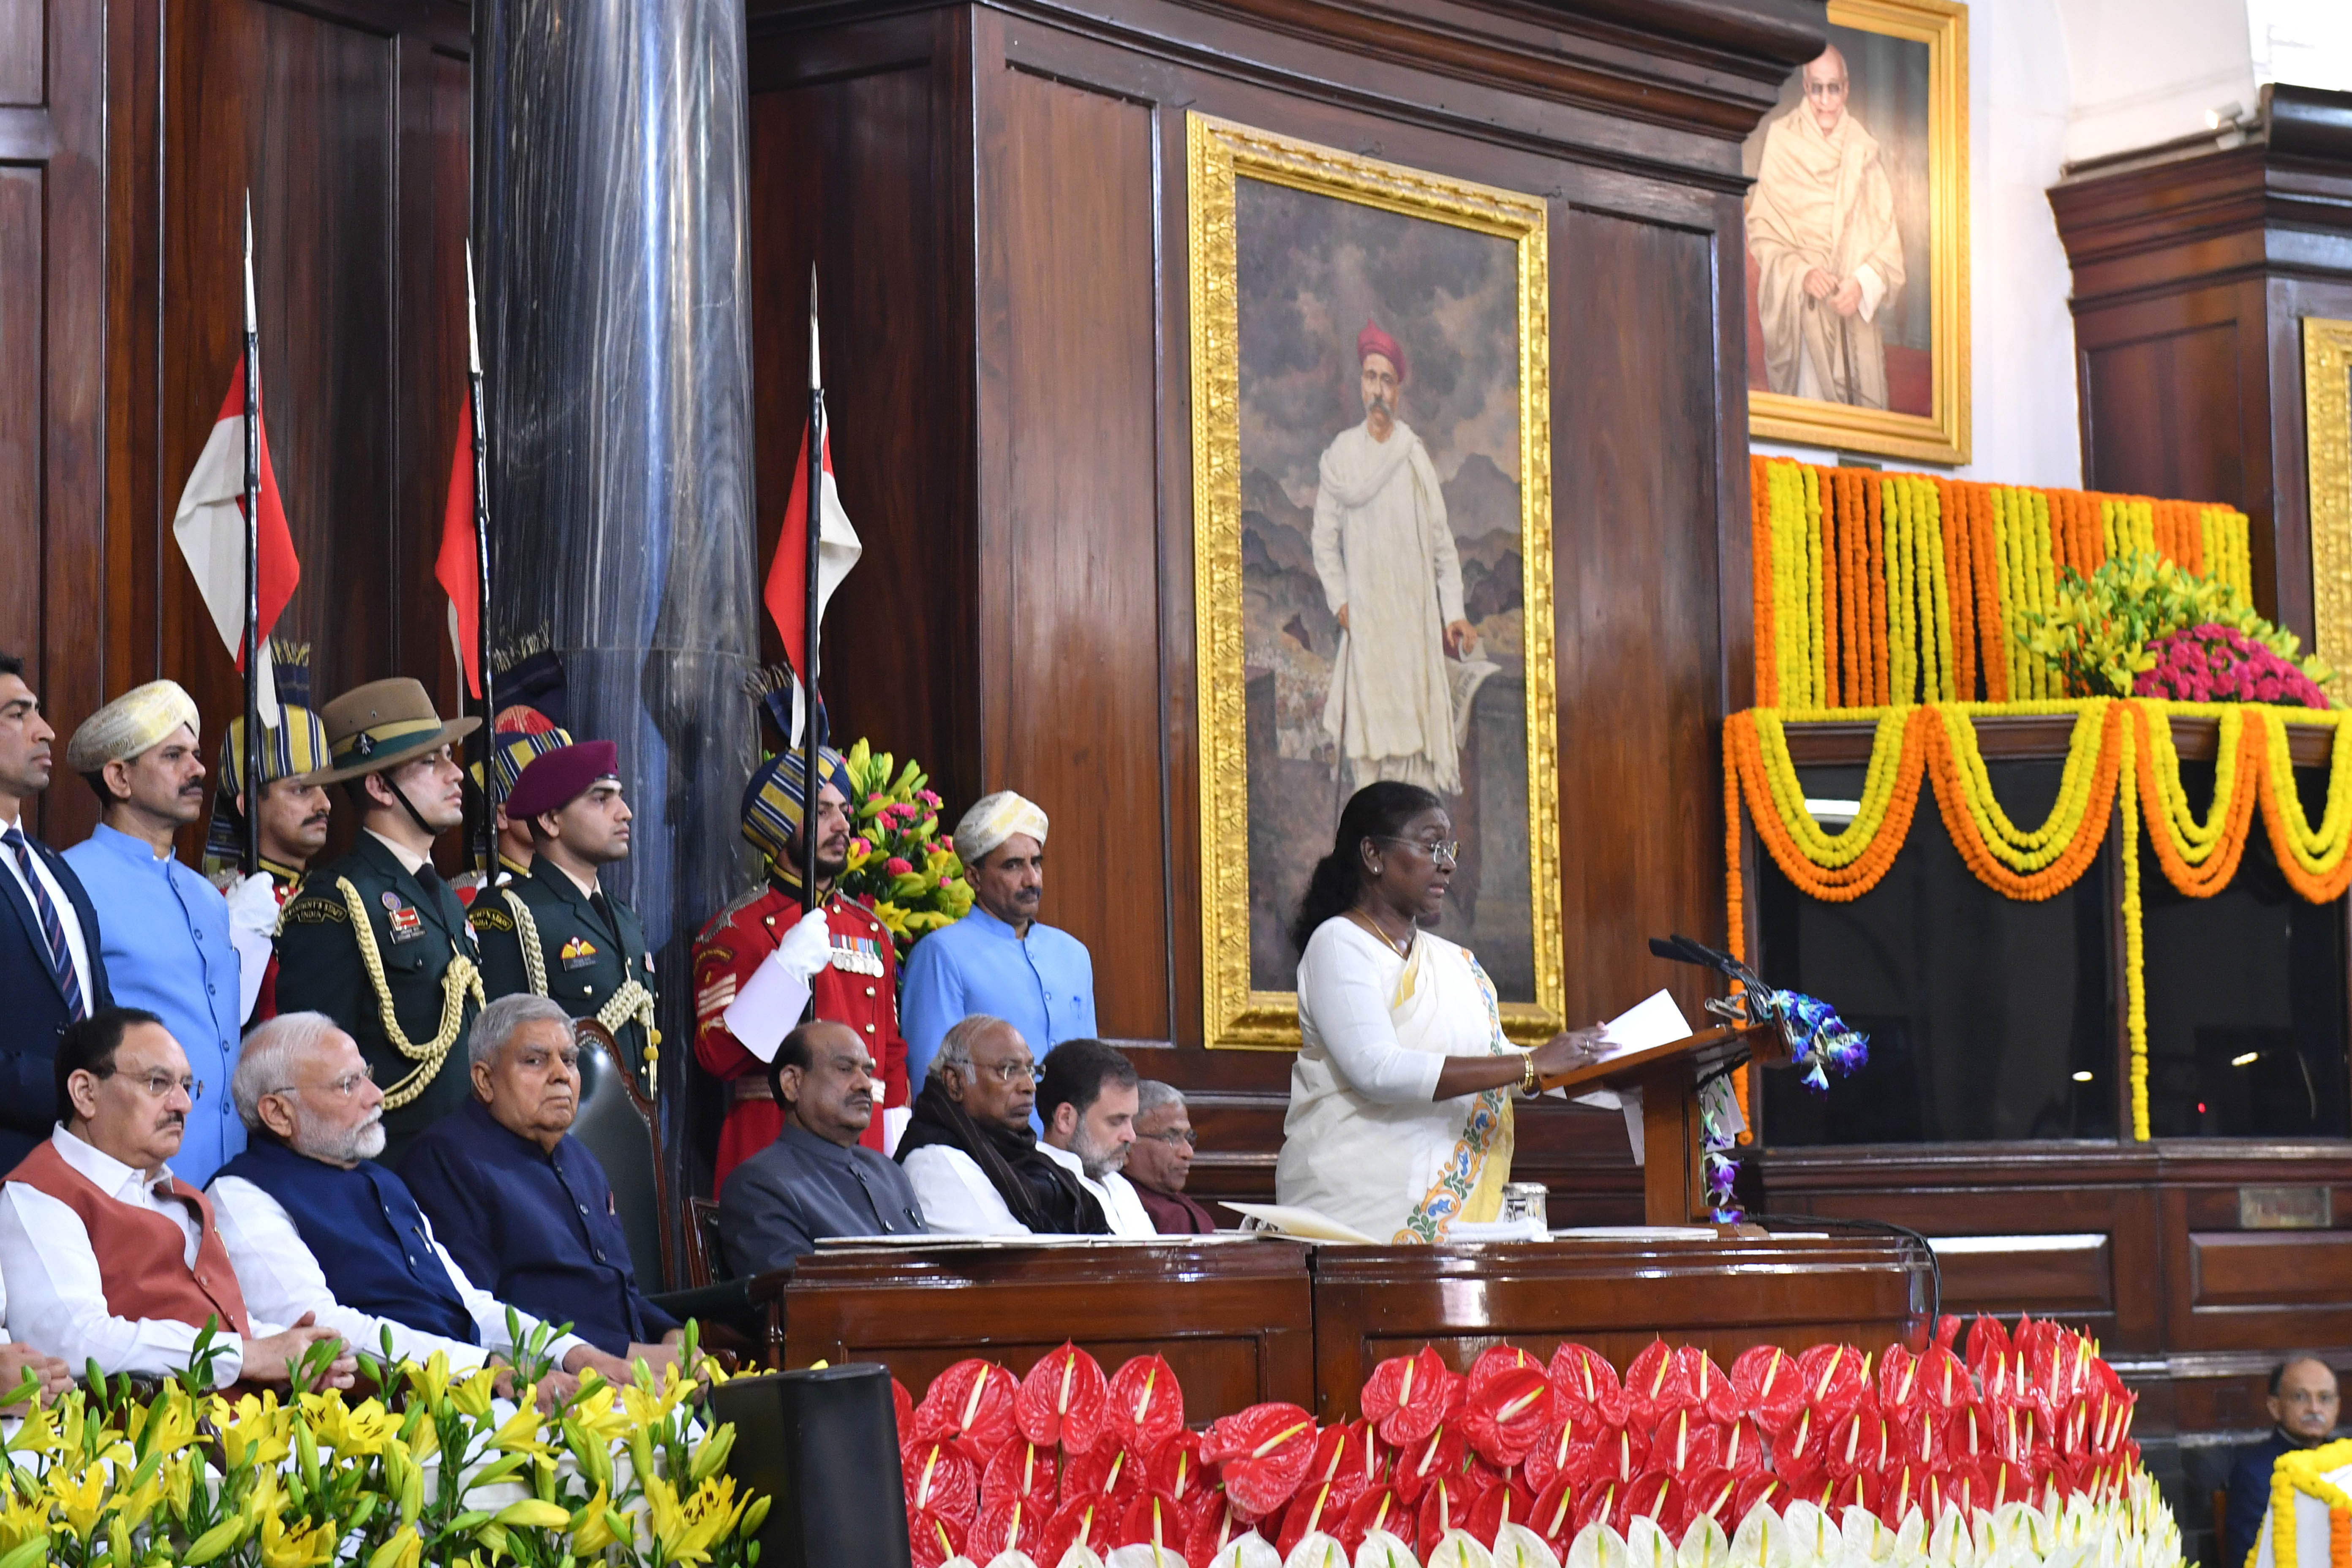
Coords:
726,916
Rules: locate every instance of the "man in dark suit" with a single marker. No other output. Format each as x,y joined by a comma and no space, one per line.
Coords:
51,967
376,939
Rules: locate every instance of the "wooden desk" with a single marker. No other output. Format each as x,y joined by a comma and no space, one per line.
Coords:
1248,1320
1726,1294
1234,1316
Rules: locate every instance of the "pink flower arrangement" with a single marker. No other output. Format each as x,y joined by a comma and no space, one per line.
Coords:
2214,664
899,865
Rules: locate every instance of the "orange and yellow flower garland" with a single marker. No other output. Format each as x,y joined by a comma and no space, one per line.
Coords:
2120,756
2307,1470
1875,588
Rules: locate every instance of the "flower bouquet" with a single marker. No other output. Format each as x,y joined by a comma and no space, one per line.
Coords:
898,861
2217,664
2098,633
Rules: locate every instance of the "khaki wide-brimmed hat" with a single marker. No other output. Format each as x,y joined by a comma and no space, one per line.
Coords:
384,724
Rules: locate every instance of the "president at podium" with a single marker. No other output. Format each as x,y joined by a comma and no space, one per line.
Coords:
1400,1120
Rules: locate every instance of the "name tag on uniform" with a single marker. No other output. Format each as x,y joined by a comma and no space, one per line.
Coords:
407,924
577,953
857,955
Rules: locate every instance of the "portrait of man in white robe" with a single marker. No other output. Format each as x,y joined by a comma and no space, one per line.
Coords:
1406,670
1828,251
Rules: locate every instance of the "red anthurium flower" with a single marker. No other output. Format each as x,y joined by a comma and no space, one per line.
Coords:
1153,1518
1921,1437
1810,1482
1547,1460
1988,1343
1763,1486
1898,1381
1313,1509
1144,1405
1379,1508
902,1405
1902,1488
1444,1506
1743,1449
1598,1505
1505,1502
1263,1453
1063,1400
1658,1382
1769,1387
1857,1443
1967,1434
1504,1418
971,1404
1584,1386
1215,1531
1371,1458
941,1479
1407,1396
1435,1457
1964,1490
1497,1360
1860,1490
1016,1524
1476,1475
1337,1456
1021,1471
1942,1381
1614,1454
934,1538
1832,1376
1657,1496
1105,1470
1553,1517
1175,1469
1948,1330
1710,1385
1713,1493
1088,1521
1799,1445
1686,1442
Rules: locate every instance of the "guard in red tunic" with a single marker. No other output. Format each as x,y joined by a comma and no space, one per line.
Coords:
843,949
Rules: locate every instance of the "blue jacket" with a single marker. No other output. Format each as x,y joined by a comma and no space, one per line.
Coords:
36,1013
535,1229
365,1228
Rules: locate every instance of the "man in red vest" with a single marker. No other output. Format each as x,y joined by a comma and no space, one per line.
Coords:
109,1258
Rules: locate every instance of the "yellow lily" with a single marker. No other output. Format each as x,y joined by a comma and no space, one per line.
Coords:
80,1497
404,1550
520,1434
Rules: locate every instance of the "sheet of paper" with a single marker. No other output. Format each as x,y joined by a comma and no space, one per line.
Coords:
253,951
1654,1021
766,1009
894,1127
1307,1225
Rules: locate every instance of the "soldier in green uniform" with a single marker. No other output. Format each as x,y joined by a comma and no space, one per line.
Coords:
376,939
554,931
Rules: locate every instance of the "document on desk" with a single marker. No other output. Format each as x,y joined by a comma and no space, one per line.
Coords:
1655,1021
1297,1220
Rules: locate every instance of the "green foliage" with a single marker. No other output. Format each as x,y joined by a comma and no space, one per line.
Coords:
2096,635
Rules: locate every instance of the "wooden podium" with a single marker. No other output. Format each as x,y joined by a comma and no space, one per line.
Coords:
1674,1182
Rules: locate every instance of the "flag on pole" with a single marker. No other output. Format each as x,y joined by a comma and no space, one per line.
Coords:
458,567
786,595
210,527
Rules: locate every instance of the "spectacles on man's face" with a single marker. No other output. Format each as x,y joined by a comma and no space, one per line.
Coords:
1175,1135
158,1084
1018,1069
1444,851
342,1088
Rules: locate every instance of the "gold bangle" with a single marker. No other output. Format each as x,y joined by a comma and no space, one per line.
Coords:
1527,1079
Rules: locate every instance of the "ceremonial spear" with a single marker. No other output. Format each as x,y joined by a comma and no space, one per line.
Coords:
250,855
487,845
815,516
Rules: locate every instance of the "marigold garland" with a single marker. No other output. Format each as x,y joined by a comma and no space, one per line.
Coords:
2305,1470
2120,757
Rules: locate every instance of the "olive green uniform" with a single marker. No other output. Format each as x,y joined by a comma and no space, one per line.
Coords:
426,972
541,934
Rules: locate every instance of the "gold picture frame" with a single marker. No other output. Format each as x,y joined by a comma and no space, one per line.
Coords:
1221,157
2328,470
1942,433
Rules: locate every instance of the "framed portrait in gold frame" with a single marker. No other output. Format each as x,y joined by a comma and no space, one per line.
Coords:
2327,472
1857,239
1371,481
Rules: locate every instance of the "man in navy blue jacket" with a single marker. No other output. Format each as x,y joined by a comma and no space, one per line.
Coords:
520,1204
51,969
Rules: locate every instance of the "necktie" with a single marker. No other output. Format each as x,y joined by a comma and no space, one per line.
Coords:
53,930
603,909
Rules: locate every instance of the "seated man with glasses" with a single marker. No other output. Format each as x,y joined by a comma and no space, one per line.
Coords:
969,1153
312,1224
816,1179
110,1258
1162,1159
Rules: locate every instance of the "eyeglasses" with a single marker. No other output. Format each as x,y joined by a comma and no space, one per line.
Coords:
1447,852
159,1085
342,1088
1018,1071
1175,1135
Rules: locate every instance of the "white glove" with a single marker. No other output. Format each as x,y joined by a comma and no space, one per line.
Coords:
253,904
806,949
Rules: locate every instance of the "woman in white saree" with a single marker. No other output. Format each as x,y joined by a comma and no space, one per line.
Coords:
1399,1120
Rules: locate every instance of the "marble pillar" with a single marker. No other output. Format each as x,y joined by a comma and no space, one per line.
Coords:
609,170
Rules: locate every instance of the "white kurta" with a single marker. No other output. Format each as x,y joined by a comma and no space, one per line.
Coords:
1823,200
1384,551
956,1196
1121,1207
1365,1143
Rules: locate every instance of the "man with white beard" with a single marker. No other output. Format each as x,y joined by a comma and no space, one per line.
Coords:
308,1216
1385,554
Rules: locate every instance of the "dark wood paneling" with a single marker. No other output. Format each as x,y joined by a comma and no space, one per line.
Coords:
2075,1282
1067,356
2137,393
23,246
2267,1269
24,51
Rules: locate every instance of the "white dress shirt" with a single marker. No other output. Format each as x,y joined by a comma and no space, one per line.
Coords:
1114,1191
77,942
56,1299
281,1280
956,1196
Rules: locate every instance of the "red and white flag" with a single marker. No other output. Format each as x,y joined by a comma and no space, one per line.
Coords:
210,527
786,595
458,567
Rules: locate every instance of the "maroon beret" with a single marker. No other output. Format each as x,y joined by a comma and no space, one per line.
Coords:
557,778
